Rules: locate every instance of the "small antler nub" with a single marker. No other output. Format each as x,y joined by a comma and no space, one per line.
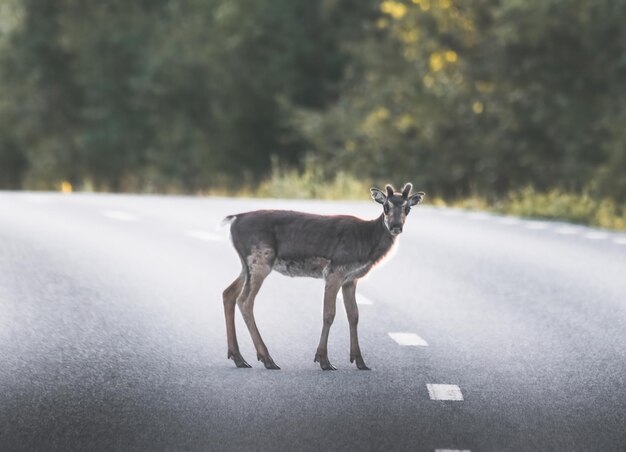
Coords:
389,190
406,190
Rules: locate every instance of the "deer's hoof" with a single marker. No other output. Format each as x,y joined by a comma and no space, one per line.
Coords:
269,363
324,362
360,364
239,361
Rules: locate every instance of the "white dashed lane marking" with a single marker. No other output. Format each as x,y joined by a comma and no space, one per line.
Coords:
536,225
363,300
596,235
452,450
36,199
408,339
444,392
507,221
479,216
452,213
567,230
620,240
119,215
205,236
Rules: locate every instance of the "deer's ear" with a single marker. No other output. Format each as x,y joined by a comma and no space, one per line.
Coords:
416,198
378,195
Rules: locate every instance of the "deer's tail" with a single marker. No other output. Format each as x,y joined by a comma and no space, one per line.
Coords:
228,220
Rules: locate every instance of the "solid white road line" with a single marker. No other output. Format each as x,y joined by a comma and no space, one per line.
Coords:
444,392
205,235
408,339
452,450
119,215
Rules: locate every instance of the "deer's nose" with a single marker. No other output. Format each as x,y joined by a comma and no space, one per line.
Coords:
395,229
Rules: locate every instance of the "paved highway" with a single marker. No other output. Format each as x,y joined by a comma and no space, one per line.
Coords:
112,334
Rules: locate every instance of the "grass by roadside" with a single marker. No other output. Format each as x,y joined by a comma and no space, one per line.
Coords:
314,183
554,204
310,183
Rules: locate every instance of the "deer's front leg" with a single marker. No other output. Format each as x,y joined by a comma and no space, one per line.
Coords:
349,300
330,301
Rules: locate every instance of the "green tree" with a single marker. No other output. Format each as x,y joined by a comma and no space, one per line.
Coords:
483,97
159,94
39,105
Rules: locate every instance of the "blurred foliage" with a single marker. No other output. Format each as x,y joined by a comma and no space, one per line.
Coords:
311,183
161,95
485,97
566,206
550,205
553,204
465,99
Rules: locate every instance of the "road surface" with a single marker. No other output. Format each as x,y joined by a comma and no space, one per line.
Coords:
112,334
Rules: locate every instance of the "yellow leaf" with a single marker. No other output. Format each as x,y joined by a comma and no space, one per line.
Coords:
451,56
436,61
394,9
66,187
404,122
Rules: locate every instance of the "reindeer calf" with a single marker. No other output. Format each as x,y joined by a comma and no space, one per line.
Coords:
340,249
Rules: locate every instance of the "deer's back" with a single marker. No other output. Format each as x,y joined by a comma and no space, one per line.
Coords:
304,244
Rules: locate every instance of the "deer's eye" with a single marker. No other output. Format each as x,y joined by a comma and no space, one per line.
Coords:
386,208
407,209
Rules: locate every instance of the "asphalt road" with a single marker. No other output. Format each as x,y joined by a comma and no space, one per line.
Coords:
112,334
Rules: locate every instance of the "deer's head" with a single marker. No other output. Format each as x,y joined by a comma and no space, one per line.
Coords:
396,206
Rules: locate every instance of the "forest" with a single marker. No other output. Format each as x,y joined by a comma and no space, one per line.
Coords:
481,98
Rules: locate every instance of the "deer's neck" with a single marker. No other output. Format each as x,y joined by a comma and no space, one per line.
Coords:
382,240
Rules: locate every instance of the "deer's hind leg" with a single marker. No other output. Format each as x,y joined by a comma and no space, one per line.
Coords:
230,300
259,265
